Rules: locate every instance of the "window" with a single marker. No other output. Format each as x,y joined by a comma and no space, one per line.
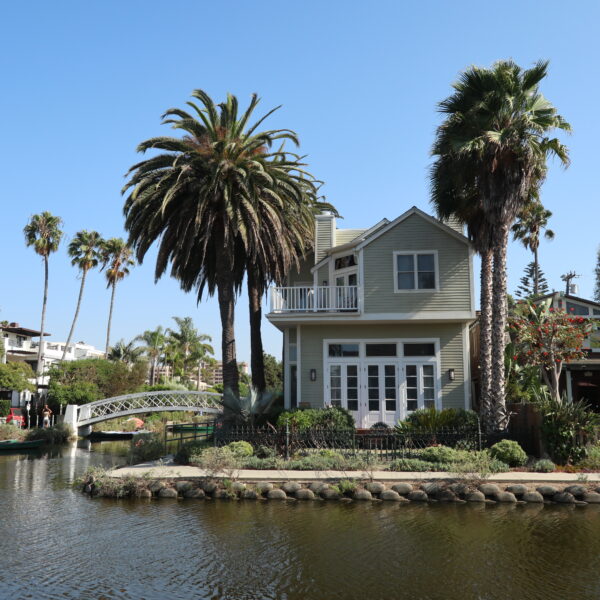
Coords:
344,262
419,349
597,311
343,350
415,271
577,309
381,350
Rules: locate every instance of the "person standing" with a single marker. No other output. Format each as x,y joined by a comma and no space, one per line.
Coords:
46,413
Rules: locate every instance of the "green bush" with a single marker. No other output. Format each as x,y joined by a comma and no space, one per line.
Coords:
215,460
591,462
509,452
543,466
346,487
439,454
59,434
187,450
145,447
4,407
267,463
415,464
431,419
305,419
241,449
8,431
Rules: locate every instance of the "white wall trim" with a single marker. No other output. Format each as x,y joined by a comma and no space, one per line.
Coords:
298,366
287,396
466,350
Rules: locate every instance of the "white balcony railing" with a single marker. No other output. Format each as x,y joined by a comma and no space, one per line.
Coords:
315,299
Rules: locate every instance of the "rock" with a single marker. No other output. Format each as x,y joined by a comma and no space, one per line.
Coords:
87,489
460,489
375,487
209,486
345,500
276,494
329,494
390,495
563,498
317,486
156,486
249,495
576,490
489,489
362,495
194,493
222,494
580,503
591,497
446,495
290,487
476,496
546,490
402,488
145,494
432,488
183,486
598,490
166,492
490,501
304,494
518,489
505,497
238,487
418,496
264,487
533,497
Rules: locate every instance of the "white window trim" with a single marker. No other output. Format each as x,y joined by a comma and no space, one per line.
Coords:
415,253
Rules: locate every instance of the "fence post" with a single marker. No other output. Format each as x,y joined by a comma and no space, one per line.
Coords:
479,433
287,441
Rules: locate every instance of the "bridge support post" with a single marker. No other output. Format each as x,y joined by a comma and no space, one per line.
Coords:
71,414
84,431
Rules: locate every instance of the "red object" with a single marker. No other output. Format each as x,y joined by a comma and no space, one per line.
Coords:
138,422
15,417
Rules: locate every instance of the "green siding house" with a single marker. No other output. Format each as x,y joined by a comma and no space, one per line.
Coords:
377,320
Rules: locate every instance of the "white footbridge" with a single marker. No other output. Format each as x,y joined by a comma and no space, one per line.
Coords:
81,418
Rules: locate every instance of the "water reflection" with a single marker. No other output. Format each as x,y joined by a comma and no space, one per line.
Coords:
57,543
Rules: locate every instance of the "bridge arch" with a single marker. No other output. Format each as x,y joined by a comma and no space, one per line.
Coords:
82,417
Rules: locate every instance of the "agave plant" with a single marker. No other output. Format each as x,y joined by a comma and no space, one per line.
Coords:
246,409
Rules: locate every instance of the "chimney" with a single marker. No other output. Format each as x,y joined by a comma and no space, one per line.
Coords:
455,224
324,234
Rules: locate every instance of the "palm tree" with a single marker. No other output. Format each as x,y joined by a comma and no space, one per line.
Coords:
116,259
44,233
192,345
496,133
84,251
125,352
154,342
533,219
205,199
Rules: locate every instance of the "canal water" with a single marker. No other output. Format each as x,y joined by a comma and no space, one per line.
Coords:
57,543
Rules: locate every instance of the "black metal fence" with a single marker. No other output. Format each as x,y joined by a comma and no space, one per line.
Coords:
386,444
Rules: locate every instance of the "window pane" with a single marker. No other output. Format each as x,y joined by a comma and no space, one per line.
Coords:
381,350
428,393
345,262
293,353
352,370
577,309
335,370
406,281
411,370
411,405
428,381
336,394
425,262
352,394
390,393
352,404
374,405
428,370
426,281
418,350
405,262
429,404
293,386
352,382
373,370
337,403
373,393
390,371
411,393
597,311
352,279
343,349
390,405
336,382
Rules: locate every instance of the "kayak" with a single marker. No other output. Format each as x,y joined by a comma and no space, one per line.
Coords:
17,445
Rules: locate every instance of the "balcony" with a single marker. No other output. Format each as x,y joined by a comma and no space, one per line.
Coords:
320,299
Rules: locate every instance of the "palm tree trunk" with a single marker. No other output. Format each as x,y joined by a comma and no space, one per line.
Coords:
110,312
226,296
39,366
536,283
485,339
257,363
76,315
499,314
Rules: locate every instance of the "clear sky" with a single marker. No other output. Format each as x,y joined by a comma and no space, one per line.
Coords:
82,83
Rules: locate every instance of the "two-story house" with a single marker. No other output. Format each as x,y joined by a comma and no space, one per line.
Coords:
377,320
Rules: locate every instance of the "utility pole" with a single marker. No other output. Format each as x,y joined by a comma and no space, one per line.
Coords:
567,277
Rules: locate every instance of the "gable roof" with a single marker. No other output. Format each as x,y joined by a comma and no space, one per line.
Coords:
570,297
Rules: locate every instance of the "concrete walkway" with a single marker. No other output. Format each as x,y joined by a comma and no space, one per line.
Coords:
169,470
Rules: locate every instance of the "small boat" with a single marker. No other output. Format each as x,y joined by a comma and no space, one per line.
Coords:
115,435
12,445
200,427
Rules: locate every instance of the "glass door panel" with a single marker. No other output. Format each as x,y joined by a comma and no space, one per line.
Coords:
344,388
419,386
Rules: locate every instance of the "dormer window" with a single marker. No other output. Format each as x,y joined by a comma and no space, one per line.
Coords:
415,271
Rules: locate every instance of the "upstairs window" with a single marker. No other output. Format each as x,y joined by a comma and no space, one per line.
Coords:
345,262
415,271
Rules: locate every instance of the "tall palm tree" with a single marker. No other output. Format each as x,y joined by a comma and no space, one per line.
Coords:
85,254
496,132
154,342
44,233
205,197
192,345
533,219
125,352
116,259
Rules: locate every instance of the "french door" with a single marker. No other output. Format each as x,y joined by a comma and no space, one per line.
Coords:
419,389
381,404
344,388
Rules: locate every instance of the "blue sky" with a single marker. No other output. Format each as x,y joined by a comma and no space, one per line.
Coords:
84,83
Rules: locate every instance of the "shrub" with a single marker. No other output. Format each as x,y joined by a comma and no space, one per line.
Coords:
8,431
187,450
439,454
543,466
431,419
59,434
346,487
271,462
305,419
266,452
509,452
380,425
592,460
215,460
413,464
241,449
4,407
145,447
